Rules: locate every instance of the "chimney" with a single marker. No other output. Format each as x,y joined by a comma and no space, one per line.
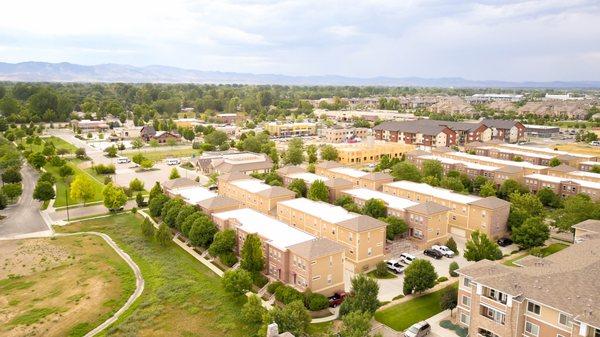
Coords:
273,330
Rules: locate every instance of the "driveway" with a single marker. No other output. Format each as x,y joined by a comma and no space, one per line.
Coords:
96,155
23,217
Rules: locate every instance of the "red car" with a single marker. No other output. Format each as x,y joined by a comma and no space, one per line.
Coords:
337,299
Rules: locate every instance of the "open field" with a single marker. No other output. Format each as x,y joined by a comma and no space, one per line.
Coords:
162,153
405,314
579,148
61,144
61,186
60,287
181,297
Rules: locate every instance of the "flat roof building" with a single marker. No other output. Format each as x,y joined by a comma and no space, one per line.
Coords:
562,186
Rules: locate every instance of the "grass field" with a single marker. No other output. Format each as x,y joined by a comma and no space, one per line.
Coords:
61,186
579,148
403,315
61,144
60,287
181,298
162,153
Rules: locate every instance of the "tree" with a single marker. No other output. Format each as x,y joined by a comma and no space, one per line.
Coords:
480,247
575,209
12,191
139,200
111,151
237,281
174,174
449,298
136,185
450,243
11,175
43,191
406,171
156,205
253,311
311,152
419,276
488,189
453,268
328,152
80,153
318,191
215,138
433,168
163,235
295,152
395,227
202,232
147,164
293,318
356,324
155,191
37,160
3,200
137,143
431,180
510,186
147,228
224,242
554,162
65,171
453,183
363,296
523,206
82,189
532,233
298,186
548,198
153,143
252,258
138,158
375,208
114,197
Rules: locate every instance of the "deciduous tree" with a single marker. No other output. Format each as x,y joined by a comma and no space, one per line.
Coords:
419,276
480,247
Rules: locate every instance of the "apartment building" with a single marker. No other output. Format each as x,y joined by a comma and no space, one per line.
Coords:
276,129
362,236
334,185
428,221
555,296
420,132
372,180
509,131
562,186
370,115
449,164
370,151
193,193
535,157
556,153
252,192
588,165
222,162
585,230
291,255
344,135
527,167
566,171
467,213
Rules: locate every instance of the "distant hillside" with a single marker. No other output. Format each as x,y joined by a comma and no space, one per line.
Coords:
68,72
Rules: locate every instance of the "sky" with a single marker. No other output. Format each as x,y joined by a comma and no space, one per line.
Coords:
481,40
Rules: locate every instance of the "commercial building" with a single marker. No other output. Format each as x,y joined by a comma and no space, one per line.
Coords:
542,131
370,151
334,185
467,213
555,296
148,133
372,180
86,125
344,135
252,192
362,236
428,221
227,118
482,98
562,186
291,256
276,129
370,115
193,193
222,162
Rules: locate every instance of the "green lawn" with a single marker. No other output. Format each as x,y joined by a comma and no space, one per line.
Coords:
166,152
387,276
181,297
61,187
546,251
59,143
403,315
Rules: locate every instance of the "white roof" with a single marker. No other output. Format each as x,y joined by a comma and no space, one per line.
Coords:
391,200
474,166
319,209
553,179
585,174
437,192
274,231
349,171
545,150
307,176
590,163
251,185
194,195
525,153
500,162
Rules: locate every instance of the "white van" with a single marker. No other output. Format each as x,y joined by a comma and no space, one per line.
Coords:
123,160
173,161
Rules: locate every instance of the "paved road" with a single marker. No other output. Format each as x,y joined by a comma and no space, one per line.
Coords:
24,216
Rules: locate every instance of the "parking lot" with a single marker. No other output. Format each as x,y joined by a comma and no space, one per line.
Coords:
160,172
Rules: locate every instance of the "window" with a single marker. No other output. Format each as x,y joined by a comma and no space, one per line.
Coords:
466,301
532,328
533,308
329,279
465,319
466,282
369,251
564,320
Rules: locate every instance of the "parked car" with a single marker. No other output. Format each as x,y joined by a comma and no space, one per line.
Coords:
433,253
395,266
418,330
173,161
337,299
407,258
123,160
447,252
503,242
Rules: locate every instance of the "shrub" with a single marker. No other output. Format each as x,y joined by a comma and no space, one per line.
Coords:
228,259
442,279
452,269
286,294
274,286
136,185
104,169
381,269
259,280
316,302
134,210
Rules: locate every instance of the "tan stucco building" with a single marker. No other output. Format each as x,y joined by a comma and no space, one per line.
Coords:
372,180
253,193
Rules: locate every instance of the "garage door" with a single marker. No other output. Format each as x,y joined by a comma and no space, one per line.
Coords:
458,231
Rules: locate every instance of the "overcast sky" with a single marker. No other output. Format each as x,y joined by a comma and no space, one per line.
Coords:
501,40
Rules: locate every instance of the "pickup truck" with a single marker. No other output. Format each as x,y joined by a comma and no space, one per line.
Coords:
337,299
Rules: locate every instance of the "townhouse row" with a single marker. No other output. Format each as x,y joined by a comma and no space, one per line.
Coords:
555,296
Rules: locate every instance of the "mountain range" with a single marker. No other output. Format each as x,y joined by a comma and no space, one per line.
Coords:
69,72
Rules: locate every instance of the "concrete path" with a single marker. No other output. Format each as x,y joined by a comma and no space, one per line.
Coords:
87,211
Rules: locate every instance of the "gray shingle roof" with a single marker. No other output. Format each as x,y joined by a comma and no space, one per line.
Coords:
428,207
491,203
316,248
218,202
179,183
362,223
